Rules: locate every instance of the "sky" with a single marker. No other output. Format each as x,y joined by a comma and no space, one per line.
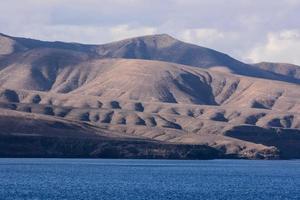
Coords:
248,30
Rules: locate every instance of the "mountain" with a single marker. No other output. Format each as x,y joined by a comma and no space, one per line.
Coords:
285,69
153,47
151,96
10,45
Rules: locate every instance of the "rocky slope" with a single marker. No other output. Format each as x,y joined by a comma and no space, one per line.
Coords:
123,96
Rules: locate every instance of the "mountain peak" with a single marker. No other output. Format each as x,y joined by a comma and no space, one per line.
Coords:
2,34
7,45
156,40
160,40
162,36
154,36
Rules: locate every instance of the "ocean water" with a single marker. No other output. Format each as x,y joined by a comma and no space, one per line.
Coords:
107,179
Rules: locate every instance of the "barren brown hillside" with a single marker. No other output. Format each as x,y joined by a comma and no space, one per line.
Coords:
139,89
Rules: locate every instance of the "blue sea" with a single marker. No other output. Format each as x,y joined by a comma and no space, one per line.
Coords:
108,179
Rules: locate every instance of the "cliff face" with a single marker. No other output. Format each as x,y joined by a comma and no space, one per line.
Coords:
145,97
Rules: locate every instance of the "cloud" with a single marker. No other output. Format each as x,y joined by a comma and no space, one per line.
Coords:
231,42
121,31
86,35
238,28
283,46
204,35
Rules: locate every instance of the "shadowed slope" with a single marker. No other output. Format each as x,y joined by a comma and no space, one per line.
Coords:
18,44
285,69
36,69
63,71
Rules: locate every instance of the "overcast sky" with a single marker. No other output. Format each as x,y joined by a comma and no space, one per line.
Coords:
249,30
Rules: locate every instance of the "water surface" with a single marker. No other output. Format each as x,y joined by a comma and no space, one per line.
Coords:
148,179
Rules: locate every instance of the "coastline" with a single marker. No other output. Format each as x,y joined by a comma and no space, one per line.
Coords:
12,146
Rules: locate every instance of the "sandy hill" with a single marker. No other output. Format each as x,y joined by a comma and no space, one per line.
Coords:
156,90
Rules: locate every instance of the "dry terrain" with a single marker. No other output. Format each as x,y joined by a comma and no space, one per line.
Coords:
145,97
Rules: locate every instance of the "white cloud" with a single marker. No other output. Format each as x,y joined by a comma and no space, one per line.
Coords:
283,46
230,42
125,31
85,35
233,27
202,35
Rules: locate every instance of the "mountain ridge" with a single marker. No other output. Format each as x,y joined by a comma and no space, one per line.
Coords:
152,47
138,89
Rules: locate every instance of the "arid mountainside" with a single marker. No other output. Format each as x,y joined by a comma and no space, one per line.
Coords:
153,47
152,92
285,69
